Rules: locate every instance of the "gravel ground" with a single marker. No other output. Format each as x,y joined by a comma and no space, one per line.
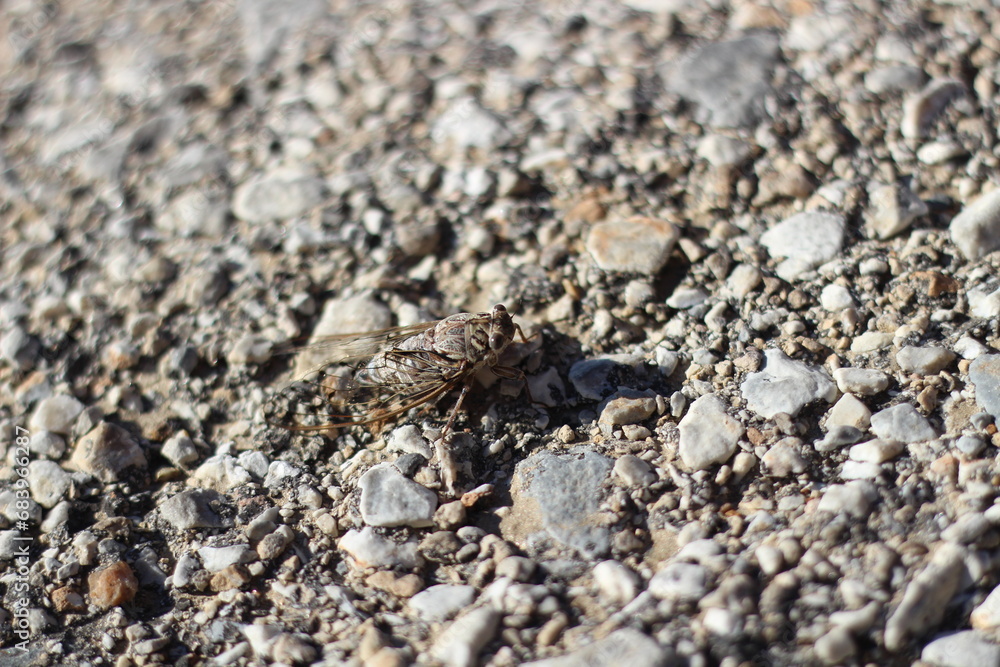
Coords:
754,248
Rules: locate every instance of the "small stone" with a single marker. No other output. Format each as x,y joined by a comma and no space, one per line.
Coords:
679,581
924,360
466,124
967,529
230,578
112,586
625,410
351,315
893,209
838,436
19,348
250,349
770,559
835,298
984,304
864,381
984,373
902,422
216,559
708,434
806,239
277,196
785,386
616,584
849,411
595,379
180,449
835,647
637,245
390,499
441,602
854,499
684,298
976,230
48,482
192,509
970,445
961,649
871,341
926,597
460,643
194,213
547,388
67,599
876,451
784,458
986,616
921,108
47,445
723,151
743,280
633,471
625,646
55,413
410,440
107,452
517,568
892,78
293,649
368,549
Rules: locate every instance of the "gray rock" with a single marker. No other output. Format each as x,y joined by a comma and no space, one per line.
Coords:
47,445
625,646
728,80
684,298
459,644
921,108
633,471
194,214
835,298
863,381
902,422
441,602
596,379
894,207
722,151
216,559
926,597
351,315
637,245
961,649
251,349
708,435
976,230
924,360
368,549
785,386
838,436
267,24
680,582
107,452
192,509
892,78
556,500
276,197
806,239
466,124
784,458
179,449
389,499
984,373
876,451
626,410
970,445
616,583
854,499
55,413
19,348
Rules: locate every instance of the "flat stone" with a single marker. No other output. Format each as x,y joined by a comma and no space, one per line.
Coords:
784,458
708,434
849,411
728,80
854,499
48,482
107,452
441,602
894,207
277,196
964,648
924,360
984,373
876,451
55,413
864,381
902,422
785,386
806,239
871,341
636,245
624,410
390,499
459,644
926,597
556,502
192,509
622,647
368,549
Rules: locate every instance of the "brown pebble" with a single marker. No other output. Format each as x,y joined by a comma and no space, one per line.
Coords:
67,599
233,576
112,586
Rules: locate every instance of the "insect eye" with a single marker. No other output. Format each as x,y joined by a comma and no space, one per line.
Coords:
496,341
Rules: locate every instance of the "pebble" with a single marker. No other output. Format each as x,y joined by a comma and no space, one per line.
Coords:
983,304
835,298
556,499
19,348
179,449
806,240
368,549
390,499
902,422
728,80
46,444
784,458
276,197
984,373
112,586
250,349
970,445
864,381
194,213
924,360
785,386
743,280
636,245
838,436
893,78
410,440
986,616
624,410
976,230
854,499
894,207
708,434
55,413
460,643
107,452
350,315
921,108
216,559
680,581
466,124
849,411
48,482
876,451
684,298
835,647
633,471
624,646
192,509
616,584
441,602
965,648
926,597
723,151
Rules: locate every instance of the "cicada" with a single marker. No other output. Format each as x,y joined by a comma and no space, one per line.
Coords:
373,377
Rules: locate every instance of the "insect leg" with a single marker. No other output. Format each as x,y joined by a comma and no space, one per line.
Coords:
458,405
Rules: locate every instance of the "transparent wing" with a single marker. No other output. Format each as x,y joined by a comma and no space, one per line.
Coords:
353,348
381,387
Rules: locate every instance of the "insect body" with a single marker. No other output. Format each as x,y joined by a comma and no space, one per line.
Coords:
400,368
